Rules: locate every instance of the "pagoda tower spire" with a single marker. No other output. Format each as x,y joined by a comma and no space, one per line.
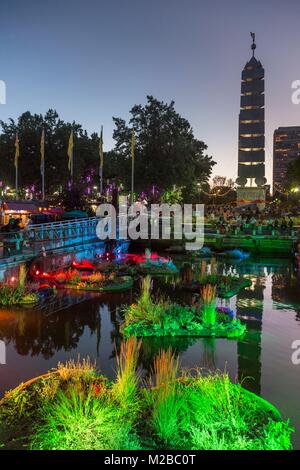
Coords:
251,145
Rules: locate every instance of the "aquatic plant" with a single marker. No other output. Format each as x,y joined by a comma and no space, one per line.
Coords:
146,310
96,278
208,311
80,369
166,404
181,410
160,317
125,386
77,422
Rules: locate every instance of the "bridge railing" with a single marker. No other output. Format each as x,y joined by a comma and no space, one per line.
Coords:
35,238
62,230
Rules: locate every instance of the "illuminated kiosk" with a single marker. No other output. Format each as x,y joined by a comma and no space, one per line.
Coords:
251,158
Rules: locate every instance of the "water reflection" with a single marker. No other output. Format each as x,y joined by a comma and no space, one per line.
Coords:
87,324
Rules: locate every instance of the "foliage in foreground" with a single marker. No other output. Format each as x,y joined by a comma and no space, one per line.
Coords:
74,408
18,292
156,317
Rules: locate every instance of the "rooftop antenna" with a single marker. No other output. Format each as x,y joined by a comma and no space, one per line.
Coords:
253,45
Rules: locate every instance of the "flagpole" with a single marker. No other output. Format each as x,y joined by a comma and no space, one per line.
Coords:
71,155
132,181
17,180
43,182
101,181
17,155
43,163
101,161
72,163
132,167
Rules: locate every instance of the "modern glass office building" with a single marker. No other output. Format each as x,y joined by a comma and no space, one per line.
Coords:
286,148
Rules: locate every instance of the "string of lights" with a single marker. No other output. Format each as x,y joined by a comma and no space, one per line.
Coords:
216,194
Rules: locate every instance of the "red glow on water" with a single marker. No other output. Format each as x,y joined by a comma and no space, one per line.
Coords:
137,259
83,265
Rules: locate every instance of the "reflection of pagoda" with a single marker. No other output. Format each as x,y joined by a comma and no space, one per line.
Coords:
251,160
250,307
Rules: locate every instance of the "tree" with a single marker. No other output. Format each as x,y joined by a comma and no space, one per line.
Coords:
29,127
166,152
292,179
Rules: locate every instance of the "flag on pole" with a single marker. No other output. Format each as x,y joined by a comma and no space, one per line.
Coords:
132,165
42,150
17,151
70,152
132,144
101,157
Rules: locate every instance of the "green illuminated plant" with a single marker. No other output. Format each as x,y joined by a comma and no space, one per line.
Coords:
165,401
125,386
208,311
74,408
75,422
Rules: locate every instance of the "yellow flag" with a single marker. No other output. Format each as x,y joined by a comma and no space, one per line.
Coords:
101,149
132,144
70,152
42,150
17,151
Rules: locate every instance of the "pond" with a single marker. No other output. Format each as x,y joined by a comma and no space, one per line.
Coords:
78,323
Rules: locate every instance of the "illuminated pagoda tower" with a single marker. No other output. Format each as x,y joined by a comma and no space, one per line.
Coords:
251,158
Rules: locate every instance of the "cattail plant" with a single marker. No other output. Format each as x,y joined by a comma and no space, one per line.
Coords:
209,313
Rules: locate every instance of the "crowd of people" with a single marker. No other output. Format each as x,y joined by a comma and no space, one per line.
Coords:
227,219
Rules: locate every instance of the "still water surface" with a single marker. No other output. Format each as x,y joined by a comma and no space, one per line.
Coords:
87,324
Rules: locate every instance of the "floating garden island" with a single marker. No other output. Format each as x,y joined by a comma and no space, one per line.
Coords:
227,285
90,281
75,408
156,317
151,263
129,264
17,291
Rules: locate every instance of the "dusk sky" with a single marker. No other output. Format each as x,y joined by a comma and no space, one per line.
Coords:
93,59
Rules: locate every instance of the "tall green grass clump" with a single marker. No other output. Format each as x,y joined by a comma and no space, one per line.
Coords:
73,408
208,311
219,415
145,310
125,387
77,422
165,401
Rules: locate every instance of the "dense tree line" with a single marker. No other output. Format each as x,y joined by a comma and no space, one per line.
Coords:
166,152
29,127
